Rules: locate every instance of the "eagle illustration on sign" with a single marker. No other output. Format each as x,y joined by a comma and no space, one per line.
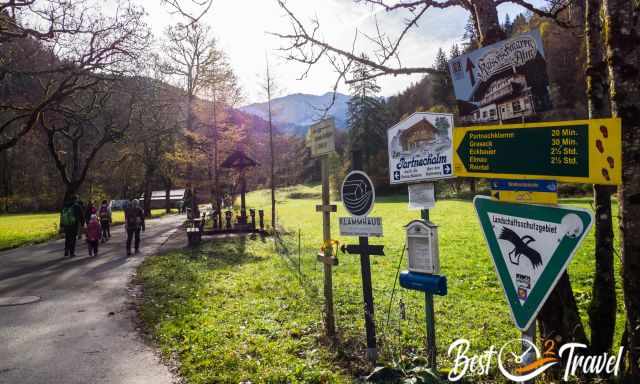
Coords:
531,246
521,248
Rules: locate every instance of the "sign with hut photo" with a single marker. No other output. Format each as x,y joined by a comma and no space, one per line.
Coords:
503,81
420,148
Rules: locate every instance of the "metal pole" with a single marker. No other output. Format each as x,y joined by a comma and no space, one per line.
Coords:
529,335
330,326
367,292
430,318
431,330
299,252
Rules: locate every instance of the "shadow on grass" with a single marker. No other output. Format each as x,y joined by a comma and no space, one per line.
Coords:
225,252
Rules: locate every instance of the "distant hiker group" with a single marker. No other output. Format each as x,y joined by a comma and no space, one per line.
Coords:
96,223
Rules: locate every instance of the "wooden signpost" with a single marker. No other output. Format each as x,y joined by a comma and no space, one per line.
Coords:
321,140
358,197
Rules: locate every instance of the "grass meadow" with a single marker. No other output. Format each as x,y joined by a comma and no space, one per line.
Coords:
30,228
244,309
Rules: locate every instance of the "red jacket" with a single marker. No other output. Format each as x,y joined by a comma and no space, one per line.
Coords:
94,232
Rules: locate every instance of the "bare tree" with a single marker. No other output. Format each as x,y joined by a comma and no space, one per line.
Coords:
185,8
602,309
270,88
622,45
224,92
77,130
83,49
190,53
47,18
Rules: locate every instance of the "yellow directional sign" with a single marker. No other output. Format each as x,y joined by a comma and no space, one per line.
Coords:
532,197
578,151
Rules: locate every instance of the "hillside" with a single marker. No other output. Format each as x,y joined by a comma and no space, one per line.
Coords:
294,113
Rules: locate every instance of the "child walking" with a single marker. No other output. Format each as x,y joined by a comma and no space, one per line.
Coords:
94,233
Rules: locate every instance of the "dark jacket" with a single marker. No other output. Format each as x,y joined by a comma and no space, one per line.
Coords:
134,217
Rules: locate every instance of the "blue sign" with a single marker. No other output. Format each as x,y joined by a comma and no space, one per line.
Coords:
524,185
434,284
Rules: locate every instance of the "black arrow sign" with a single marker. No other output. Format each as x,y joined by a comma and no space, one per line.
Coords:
354,249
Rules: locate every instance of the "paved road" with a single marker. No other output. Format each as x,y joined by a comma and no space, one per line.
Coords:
82,330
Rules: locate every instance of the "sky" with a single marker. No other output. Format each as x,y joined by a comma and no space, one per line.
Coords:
241,29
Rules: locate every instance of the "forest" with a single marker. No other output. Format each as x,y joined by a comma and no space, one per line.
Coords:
96,111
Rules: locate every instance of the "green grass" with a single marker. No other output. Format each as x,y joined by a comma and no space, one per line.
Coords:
21,229
227,313
231,312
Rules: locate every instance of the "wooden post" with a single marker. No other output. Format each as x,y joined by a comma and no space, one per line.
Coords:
367,293
367,290
243,191
330,326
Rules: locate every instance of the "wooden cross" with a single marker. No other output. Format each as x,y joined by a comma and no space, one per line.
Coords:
364,249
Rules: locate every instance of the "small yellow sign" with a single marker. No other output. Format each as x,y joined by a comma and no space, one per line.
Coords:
578,151
532,197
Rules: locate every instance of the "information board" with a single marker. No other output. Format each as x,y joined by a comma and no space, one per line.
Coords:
420,148
321,137
580,151
502,81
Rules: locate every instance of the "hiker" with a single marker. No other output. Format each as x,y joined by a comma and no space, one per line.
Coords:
105,220
134,222
94,233
70,221
89,210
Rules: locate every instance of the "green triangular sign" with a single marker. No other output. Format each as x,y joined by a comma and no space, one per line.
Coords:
531,246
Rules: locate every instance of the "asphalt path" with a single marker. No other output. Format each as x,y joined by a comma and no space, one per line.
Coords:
83,327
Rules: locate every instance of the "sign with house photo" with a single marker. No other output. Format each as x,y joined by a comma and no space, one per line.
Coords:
420,148
503,81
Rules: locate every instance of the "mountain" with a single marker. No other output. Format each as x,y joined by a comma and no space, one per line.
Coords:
295,113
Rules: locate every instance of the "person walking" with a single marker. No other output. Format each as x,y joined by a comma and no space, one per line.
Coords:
89,210
105,220
134,222
94,233
70,221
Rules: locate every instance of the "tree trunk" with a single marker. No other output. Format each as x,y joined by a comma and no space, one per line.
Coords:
190,151
71,190
167,195
622,42
273,176
602,309
147,197
559,318
486,17
5,181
